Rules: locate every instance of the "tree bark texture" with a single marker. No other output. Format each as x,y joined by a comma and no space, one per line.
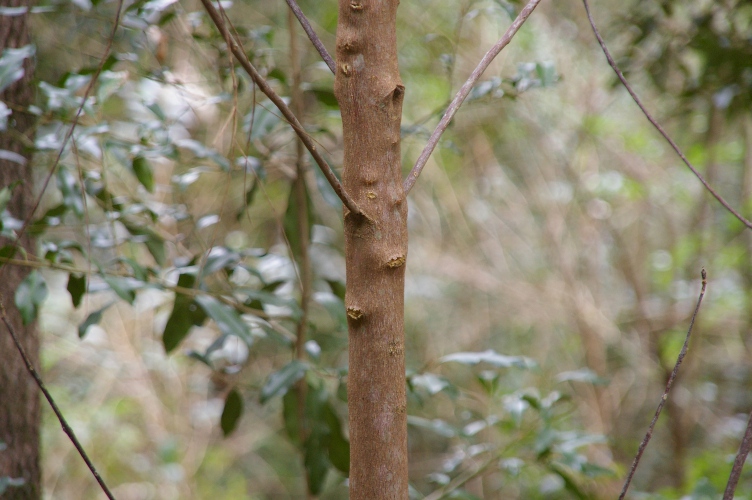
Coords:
370,93
19,396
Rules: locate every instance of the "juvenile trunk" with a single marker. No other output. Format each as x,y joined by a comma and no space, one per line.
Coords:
19,397
370,93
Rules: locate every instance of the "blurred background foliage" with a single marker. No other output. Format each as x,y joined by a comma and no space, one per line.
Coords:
555,252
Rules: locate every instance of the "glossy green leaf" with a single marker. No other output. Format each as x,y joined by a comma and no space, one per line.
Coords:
29,296
143,172
280,381
6,252
185,314
227,318
76,288
232,412
92,319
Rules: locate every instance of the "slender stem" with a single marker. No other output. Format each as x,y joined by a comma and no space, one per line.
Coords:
235,47
736,470
664,398
464,91
63,423
312,36
655,124
304,261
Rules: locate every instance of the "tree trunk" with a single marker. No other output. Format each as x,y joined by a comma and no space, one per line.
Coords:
370,93
19,398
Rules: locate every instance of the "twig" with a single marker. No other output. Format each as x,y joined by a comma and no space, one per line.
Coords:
312,36
66,428
664,398
655,124
464,91
235,47
736,470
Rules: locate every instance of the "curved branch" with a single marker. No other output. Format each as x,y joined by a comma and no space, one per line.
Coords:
464,91
234,45
312,36
655,124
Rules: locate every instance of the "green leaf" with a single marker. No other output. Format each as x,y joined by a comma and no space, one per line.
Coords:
185,314
29,296
232,412
10,482
6,194
76,288
326,97
92,319
491,357
227,319
123,287
11,65
143,172
280,381
290,222
315,461
6,252
249,196
436,425
68,185
339,446
581,375
291,417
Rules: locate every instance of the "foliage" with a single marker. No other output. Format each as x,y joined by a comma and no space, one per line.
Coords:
563,232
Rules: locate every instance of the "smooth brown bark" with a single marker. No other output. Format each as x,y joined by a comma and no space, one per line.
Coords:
370,94
19,396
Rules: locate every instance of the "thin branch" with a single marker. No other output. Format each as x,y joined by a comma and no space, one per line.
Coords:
312,36
664,398
655,124
464,91
235,47
736,470
66,428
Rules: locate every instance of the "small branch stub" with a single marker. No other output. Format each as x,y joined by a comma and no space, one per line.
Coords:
396,262
354,313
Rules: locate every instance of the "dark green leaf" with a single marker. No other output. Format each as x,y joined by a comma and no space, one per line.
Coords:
227,319
76,288
249,196
91,319
232,412
6,252
292,215
29,296
291,417
280,381
339,446
143,172
316,462
326,97
185,314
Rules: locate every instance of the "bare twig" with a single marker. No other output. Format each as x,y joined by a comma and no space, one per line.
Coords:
66,428
655,124
235,47
464,91
312,36
736,470
664,398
